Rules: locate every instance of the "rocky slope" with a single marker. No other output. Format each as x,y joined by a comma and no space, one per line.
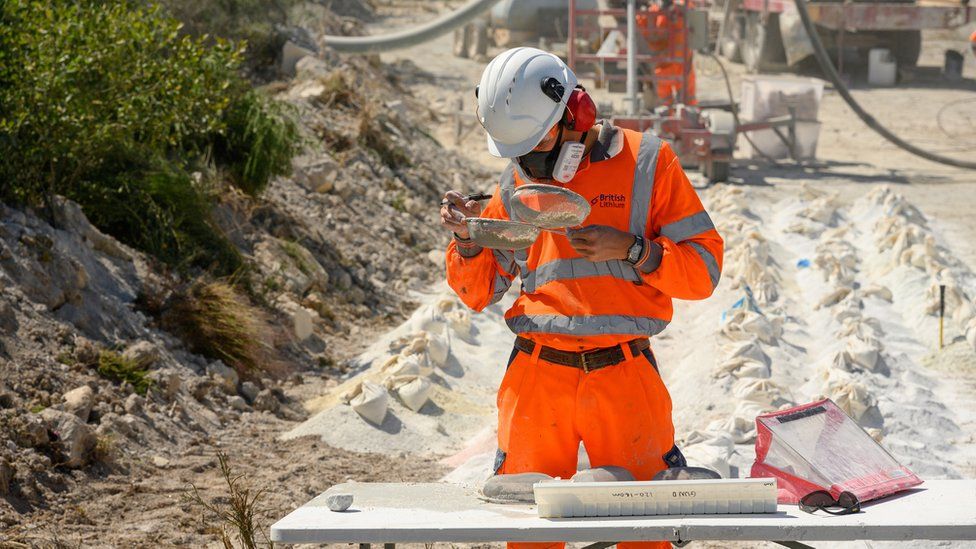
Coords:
97,399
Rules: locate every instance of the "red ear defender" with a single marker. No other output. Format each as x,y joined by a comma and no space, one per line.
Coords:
580,111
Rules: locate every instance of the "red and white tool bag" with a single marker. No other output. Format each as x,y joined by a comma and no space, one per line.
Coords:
817,446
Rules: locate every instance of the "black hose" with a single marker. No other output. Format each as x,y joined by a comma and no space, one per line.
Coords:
828,67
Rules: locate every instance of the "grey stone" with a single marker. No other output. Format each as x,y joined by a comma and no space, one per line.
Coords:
338,502
266,401
77,439
238,403
166,383
249,390
31,431
513,488
112,424
199,387
134,404
79,402
6,476
143,353
224,375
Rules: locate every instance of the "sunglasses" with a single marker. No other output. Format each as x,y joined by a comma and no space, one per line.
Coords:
821,500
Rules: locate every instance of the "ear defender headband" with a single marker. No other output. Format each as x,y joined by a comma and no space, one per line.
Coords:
580,113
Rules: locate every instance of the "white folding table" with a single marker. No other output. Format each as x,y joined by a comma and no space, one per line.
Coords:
437,512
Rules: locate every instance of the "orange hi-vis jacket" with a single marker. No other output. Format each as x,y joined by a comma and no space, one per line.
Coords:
635,183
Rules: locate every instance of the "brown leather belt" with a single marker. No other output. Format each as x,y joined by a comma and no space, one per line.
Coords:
587,361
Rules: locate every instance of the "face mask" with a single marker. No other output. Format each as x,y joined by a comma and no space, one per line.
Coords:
560,163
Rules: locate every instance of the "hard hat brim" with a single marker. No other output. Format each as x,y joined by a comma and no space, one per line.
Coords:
507,150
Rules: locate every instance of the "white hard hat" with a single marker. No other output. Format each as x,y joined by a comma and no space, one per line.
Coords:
522,94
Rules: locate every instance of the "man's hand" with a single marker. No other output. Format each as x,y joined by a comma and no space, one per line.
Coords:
600,242
456,211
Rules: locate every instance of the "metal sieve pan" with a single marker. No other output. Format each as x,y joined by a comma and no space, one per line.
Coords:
548,206
502,234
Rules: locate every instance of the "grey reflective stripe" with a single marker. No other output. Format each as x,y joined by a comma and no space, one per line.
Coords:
587,325
640,197
505,260
567,269
506,185
689,227
713,272
522,262
502,285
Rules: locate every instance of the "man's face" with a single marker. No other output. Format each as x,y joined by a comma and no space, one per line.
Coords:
549,141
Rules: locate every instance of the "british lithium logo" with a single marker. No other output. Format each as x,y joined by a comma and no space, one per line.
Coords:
609,200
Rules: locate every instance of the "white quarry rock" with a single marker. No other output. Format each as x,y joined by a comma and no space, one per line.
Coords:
301,319
224,375
77,439
338,502
143,353
79,402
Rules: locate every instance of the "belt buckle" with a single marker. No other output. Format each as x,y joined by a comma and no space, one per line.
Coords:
584,359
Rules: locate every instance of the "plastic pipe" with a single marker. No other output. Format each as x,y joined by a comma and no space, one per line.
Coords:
410,37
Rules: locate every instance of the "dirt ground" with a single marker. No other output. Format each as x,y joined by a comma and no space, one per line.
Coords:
111,511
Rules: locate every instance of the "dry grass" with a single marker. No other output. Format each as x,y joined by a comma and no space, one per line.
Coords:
118,368
216,321
237,514
373,136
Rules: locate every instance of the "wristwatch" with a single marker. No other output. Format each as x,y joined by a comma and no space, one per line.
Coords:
635,250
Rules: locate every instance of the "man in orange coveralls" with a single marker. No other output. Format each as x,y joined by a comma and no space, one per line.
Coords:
663,26
582,368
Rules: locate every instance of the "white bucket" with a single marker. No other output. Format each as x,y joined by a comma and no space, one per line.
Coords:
882,67
807,135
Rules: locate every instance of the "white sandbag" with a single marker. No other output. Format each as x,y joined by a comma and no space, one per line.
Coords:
971,333
415,393
740,368
744,324
879,291
849,394
712,450
459,321
746,349
822,210
437,350
834,297
404,365
860,326
741,423
864,353
371,403
763,391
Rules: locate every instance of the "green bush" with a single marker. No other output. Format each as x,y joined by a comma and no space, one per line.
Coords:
110,103
79,78
116,367
155,206
259,141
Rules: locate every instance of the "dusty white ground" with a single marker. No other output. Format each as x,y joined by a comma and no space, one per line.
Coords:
870,219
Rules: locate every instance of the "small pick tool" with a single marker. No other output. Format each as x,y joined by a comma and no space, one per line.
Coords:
534,208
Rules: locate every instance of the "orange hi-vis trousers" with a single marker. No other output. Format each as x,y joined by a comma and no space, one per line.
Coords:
621,413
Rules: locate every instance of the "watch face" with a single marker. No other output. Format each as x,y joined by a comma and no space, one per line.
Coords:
635,250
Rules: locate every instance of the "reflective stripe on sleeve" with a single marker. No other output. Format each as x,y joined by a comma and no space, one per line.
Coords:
713,271
643,182
689,227
587,325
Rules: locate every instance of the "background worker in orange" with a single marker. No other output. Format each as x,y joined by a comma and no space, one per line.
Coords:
582,369
663,26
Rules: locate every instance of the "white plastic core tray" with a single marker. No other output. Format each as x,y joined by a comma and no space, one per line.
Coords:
563,498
